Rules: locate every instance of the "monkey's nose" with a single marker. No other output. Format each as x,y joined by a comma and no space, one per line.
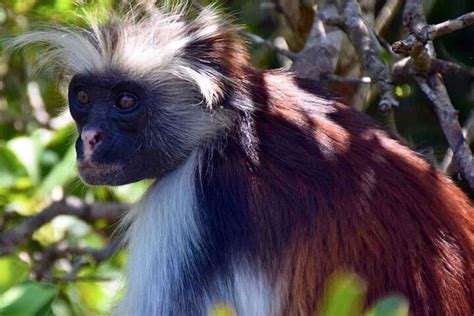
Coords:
91,138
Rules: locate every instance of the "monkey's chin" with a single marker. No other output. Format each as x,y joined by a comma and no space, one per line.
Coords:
101,174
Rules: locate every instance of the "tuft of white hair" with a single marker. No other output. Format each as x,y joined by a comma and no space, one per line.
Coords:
147,43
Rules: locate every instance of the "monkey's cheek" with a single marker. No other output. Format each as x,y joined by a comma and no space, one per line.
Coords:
100,174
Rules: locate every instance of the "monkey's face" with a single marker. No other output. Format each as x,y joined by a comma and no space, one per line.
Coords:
132,129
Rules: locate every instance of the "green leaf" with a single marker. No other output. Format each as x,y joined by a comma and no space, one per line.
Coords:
64,4
60,174
11,168
390,306
13,270
92,294
131,192
62,137
22,7
90,297
344,295
403,91
27,150
222,310
28,298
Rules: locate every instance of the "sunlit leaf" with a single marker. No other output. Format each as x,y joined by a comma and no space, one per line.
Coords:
62,138
403,91
61,308
344,295
11,168
3,16
131,192
28,150
28,299
24,6
47,235
222,310
13,270
92,295
63,4
60,174
390,306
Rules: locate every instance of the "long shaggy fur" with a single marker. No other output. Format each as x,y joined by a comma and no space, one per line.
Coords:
148,44
286,188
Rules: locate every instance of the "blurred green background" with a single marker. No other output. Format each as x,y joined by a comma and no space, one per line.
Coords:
37,159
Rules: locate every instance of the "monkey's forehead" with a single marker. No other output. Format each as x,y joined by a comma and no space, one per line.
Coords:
105,79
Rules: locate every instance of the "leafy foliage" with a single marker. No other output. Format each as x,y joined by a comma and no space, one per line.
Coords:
37,167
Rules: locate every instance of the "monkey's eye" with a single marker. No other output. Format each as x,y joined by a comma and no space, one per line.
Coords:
125,101
83,97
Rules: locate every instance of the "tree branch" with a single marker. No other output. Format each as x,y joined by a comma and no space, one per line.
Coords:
432,85
435,89
405,69
368,48
468,132
70,206
63,250
433,31
421,33
386,15
320,53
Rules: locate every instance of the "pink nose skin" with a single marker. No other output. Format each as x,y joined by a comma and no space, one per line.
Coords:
91,138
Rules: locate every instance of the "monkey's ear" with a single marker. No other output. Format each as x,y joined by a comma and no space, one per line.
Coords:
216,54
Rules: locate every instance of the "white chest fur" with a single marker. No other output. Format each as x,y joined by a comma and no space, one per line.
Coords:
162,227
161,238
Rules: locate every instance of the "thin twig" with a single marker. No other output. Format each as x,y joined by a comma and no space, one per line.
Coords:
404,69
63,250
19,234
386,15
332,77
468,132
437,30
261,41
78,264
255,38
387,47
421,33
84,279
435,90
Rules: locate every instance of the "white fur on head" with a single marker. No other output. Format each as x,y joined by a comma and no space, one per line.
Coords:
147,43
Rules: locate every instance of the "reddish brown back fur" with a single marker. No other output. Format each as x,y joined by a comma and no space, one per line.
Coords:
392,218
323,189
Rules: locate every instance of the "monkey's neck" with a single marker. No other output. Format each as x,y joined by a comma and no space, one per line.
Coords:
162,238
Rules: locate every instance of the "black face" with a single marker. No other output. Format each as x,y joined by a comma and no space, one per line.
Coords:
120,138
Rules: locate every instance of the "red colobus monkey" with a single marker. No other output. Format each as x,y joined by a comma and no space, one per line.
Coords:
263,189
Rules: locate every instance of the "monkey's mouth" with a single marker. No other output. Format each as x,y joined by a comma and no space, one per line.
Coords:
99,173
